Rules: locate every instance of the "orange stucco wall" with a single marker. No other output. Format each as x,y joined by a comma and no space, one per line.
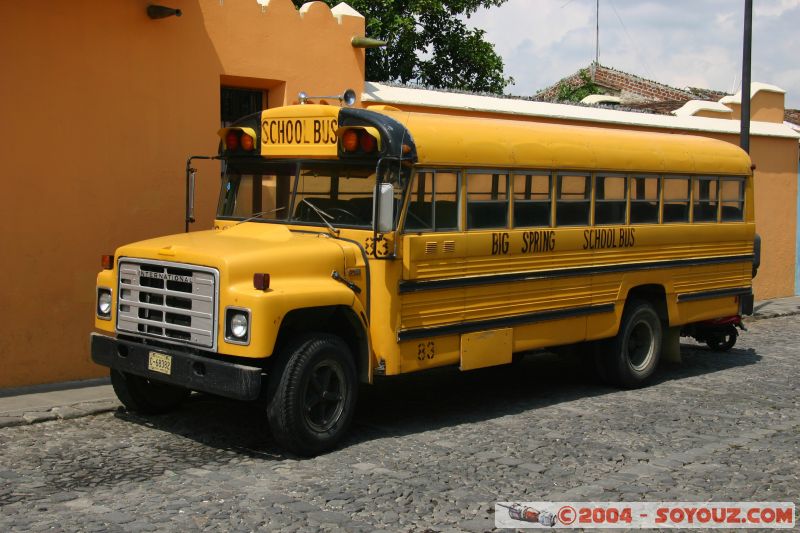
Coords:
101,106
776,161
765,106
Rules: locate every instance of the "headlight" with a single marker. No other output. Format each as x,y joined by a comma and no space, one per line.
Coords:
103,302
237,325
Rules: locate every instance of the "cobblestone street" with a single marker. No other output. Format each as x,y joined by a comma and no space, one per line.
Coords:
432,451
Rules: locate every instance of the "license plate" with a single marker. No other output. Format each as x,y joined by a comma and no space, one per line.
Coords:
160,362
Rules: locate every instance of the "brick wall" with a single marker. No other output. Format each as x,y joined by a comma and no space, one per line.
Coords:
644,89
632,89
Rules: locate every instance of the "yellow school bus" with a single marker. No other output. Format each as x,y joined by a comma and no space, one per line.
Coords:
350,243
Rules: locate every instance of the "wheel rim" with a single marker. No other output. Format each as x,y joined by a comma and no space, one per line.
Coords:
641,345
724,341
325,394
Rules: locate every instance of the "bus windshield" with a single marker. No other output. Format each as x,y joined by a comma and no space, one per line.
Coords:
305,192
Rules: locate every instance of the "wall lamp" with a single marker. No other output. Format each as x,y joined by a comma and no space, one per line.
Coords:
162,12
366,42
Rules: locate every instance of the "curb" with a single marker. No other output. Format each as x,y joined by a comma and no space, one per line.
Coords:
66,412
774,314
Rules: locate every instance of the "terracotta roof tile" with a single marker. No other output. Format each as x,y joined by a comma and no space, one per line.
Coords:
637,93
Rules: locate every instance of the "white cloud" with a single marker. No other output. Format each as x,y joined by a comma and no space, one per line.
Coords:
776,8
678,42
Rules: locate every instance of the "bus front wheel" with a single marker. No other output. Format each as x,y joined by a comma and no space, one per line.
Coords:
141,395
629,359
312,394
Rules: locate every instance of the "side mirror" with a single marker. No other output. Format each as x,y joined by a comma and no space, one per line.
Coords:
383,207
190,181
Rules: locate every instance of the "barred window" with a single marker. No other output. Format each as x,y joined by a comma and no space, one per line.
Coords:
237,103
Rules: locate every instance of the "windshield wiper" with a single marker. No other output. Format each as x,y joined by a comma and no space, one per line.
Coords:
259,214
322,216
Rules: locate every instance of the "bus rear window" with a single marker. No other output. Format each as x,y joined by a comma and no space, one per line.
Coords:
731,192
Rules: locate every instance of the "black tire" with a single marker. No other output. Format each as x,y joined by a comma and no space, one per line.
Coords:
312,393
630,359
724,340
141,395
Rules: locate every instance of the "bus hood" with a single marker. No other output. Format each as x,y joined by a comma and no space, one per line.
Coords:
242,250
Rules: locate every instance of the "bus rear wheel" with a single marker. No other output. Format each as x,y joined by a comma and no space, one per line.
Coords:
312,395
141,395
722,340
630,358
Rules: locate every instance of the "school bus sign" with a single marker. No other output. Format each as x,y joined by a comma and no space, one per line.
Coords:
309,136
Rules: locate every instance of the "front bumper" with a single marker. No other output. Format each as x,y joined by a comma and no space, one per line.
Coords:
190,371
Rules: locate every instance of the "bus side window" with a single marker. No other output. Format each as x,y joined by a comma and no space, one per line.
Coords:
644,200
706,200
445,205
731,193
532,206
433,205
610,199
420,204
676,199
487,200
573,200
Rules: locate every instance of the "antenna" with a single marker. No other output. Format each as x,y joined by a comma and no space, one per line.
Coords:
597,33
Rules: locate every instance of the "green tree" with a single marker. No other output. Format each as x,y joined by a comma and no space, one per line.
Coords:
429,43
576,92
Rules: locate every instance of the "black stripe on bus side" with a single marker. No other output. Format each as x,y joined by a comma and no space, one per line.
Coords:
492,323
450,283
717,293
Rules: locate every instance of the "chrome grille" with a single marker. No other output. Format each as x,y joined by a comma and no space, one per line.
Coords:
172,301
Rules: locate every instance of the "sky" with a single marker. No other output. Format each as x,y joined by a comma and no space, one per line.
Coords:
682,43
